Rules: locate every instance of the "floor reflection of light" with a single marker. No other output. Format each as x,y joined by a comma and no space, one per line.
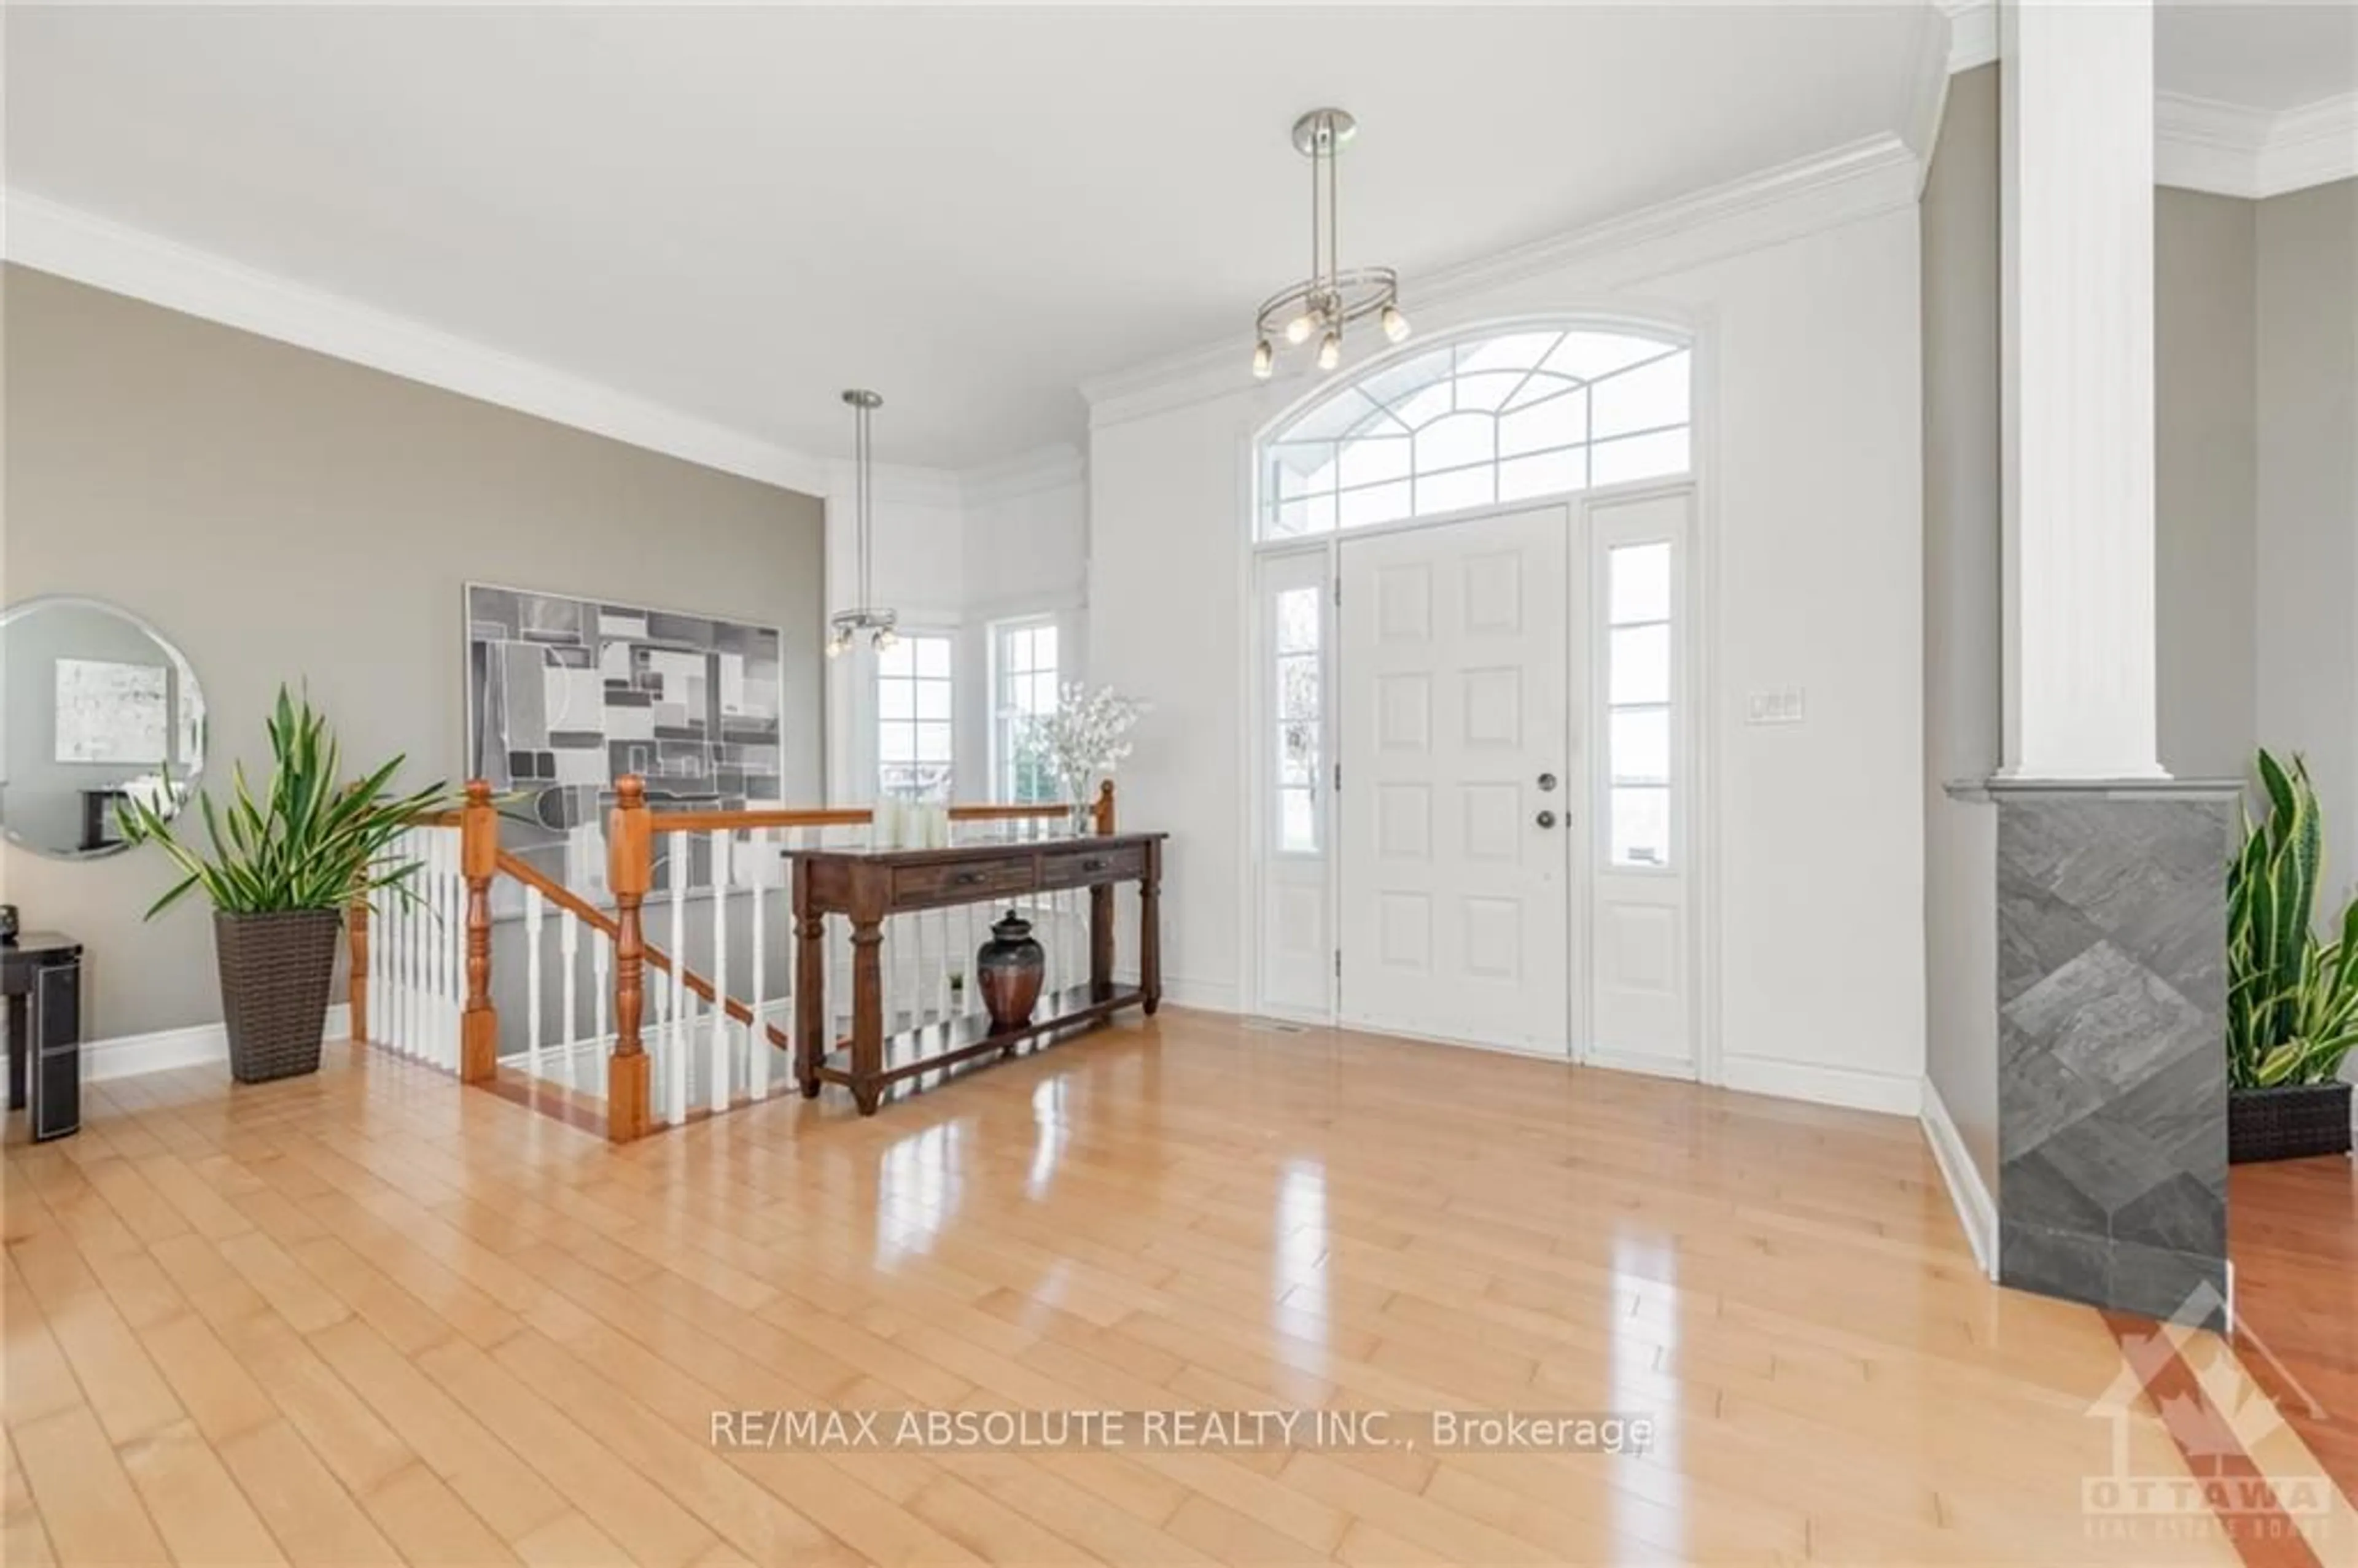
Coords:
1048,1136
1646,1268
916,1190
1299,1257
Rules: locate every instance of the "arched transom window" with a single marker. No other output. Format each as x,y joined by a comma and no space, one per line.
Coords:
1507,417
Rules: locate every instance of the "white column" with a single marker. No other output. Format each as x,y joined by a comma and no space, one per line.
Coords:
2077,300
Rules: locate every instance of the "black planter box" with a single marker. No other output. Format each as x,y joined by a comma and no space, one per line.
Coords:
2293,1121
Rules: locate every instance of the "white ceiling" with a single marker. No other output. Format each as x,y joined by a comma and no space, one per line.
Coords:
2269,55
736,213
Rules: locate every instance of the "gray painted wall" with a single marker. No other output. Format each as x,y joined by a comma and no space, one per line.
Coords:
2308,494
2206,464
1960,215
280,514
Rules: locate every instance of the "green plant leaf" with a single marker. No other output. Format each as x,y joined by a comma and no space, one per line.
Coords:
307,841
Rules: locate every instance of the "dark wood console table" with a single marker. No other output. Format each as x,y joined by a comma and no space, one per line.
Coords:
867,885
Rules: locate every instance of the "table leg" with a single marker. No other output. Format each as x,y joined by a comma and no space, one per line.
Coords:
1150,927
867,1011
1100,942
810,984
19,1046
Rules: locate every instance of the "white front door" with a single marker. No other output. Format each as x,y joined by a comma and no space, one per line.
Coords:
1459,781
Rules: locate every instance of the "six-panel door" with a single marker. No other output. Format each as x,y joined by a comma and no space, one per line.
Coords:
1456,807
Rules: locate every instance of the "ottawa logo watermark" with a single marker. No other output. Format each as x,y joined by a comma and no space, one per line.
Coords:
2221,1421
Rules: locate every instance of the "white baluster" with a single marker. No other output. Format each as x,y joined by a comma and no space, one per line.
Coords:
757,1033
602,972
533,1062
404,1037
434,926
568,949
682,1008
723,1080
453,938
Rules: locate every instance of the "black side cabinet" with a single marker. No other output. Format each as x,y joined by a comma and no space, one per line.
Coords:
41,973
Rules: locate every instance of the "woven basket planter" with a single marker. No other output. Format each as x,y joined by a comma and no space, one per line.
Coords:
2293,1121
275,970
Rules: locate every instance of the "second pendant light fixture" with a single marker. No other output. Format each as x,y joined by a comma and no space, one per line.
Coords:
865,615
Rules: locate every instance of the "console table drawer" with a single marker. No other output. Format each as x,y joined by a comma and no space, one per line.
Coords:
1081,866
961,883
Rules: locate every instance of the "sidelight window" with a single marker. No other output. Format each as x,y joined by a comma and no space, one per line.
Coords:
1637,702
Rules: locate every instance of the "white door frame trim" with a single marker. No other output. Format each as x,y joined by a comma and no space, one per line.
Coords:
1699,642
1702,816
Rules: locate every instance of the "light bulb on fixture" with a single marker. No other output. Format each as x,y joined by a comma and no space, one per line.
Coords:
887,640
1330,350
1298,329
1264,361
835,646
1395,324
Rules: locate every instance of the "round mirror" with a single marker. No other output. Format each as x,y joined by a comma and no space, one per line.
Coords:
96,705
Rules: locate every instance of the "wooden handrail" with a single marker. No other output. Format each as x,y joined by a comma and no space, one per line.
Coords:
596,919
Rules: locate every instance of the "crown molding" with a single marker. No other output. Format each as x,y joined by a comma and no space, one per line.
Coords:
51,237
1047,468
1927,89
1973,32
1841,186
2230,150
897,484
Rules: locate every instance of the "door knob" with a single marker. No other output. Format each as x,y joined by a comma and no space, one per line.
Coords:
1547,818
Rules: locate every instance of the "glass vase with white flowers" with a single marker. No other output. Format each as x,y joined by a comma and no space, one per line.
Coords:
1085,739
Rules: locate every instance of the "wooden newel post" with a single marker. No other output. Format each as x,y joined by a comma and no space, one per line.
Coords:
1104,808
479,856
629,872
356,938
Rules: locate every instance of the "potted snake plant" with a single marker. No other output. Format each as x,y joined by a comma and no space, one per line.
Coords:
2292,997
281,872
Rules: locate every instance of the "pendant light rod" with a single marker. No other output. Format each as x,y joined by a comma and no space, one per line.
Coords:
865,615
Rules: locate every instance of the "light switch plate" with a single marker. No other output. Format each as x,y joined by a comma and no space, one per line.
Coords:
1777,705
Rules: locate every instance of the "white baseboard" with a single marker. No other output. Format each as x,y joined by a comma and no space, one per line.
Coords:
160,1051
1204,996
1678,1067
1976,1211
1846,1087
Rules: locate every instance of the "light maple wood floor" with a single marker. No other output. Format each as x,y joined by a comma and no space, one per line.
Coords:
368,1316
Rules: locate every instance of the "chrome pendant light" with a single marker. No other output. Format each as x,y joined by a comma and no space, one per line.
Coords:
846,624
1331,298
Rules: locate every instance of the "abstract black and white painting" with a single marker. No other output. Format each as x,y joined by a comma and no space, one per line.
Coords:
565,696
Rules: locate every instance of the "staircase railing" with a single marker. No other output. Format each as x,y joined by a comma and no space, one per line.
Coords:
665,1045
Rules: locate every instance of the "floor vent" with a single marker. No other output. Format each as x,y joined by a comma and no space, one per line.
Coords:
1275,1026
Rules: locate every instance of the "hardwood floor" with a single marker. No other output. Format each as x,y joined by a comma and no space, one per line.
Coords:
2293,1234
369,1316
